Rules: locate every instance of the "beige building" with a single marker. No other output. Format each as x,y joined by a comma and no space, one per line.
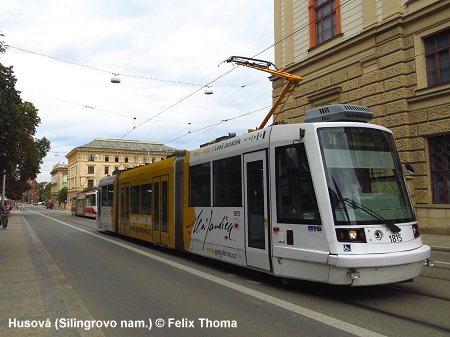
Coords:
59,180
88,163
390,55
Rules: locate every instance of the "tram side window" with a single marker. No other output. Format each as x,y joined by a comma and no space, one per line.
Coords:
104,195
200,185
227,180
296,200
146,199
90,200
135,194
110,195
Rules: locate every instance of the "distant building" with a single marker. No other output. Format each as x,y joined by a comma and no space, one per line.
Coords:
88,163
32,195
59,180
390,55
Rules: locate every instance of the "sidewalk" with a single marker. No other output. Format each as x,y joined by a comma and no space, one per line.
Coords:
33,291
437,242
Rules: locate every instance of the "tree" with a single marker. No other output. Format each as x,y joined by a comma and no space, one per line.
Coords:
62,196
45,190
20,152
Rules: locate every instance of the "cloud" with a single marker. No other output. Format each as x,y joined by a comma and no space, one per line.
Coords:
171,40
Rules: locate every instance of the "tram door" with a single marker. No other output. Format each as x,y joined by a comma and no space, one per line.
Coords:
160,209
256,210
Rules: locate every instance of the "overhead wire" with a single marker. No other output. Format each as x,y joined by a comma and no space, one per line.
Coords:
226,73
218,123
201,86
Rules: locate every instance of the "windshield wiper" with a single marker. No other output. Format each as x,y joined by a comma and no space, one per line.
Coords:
389,224
341,200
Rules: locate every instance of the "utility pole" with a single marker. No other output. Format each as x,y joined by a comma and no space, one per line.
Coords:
4,187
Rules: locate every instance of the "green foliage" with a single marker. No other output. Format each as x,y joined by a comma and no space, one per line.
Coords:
62,195
47,192
20,152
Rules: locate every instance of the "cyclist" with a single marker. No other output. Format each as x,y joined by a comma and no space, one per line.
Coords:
5,214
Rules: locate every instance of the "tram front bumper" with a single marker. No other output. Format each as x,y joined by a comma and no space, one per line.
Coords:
380,259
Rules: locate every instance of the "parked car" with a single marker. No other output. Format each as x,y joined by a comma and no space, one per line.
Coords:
50,204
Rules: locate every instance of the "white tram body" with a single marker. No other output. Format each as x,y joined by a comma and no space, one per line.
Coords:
324,201
105,202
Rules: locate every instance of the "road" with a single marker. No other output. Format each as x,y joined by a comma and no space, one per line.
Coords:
140,286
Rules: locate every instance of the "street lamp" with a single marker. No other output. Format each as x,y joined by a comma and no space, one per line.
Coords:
115,79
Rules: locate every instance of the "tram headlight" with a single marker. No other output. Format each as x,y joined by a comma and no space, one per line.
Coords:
350,235
416,231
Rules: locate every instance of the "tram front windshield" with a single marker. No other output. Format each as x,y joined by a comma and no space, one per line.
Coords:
364,177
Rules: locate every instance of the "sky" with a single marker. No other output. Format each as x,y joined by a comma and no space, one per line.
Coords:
64,54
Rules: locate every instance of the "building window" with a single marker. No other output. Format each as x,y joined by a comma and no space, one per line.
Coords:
136,159
90,184
91,157
437,54
325,22
106,170
106,157
116,159
440,168
126,159
90,169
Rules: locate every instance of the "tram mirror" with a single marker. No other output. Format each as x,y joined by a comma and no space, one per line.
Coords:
410,168
301,133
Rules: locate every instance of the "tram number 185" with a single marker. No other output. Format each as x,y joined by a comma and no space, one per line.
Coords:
395,238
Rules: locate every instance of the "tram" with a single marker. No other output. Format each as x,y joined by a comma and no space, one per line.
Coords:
85,204
325,200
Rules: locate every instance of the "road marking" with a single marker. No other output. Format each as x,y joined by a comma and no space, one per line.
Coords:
441,262
72,302
317,316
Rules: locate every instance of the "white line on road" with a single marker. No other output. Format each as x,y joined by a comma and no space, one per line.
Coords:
317,316
442,262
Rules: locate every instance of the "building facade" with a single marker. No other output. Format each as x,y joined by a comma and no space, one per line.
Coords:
59,180
88,163
31,196
390,55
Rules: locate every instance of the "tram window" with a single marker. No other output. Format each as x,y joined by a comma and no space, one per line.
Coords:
104,195
134,198
227,180
146,199
90,200
200,185
296,200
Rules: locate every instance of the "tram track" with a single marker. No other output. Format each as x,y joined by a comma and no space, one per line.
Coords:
412,318
405,301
